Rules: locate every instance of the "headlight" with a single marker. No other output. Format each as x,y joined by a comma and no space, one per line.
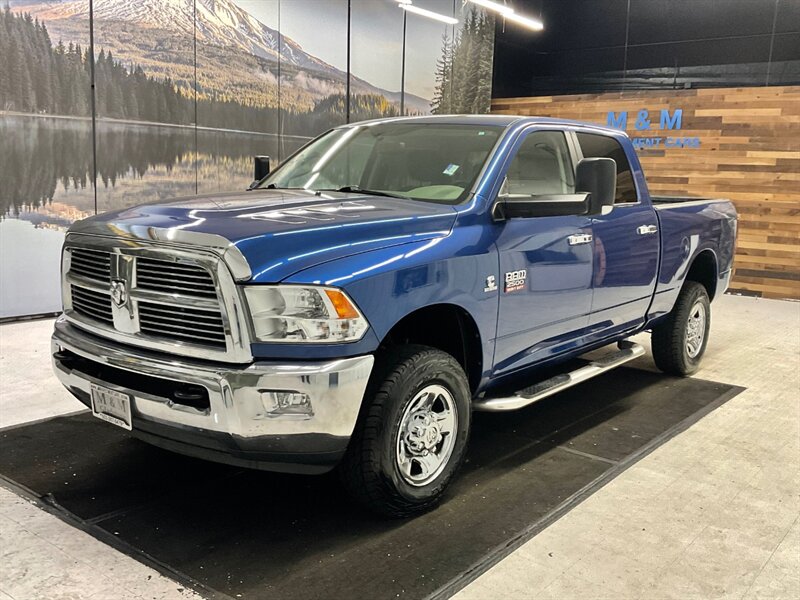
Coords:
293,313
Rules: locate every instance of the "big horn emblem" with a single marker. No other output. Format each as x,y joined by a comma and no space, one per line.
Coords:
119,293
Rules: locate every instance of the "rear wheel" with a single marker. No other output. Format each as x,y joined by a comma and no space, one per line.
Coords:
679,342
412,434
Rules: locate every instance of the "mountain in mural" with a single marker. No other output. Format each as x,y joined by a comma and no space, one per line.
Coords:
237,55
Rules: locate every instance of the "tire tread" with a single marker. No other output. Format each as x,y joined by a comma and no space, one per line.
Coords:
668,342
359,470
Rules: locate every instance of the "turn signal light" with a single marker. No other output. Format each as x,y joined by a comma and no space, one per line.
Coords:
343,307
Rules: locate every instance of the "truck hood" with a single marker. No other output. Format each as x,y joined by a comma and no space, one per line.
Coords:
279,232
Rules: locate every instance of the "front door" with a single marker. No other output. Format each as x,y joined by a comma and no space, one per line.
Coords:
545,274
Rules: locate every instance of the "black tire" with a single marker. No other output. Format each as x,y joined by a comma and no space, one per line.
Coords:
669,340
369,471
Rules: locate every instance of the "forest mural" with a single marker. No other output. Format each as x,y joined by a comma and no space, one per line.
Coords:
186,91
45,79
464,70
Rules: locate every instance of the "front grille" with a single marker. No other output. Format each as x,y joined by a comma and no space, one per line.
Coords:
92,264
184,323
172,277
165,299
92,304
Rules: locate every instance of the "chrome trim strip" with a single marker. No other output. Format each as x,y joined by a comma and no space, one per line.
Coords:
168,236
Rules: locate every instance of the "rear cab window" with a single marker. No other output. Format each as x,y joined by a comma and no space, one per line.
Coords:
602,146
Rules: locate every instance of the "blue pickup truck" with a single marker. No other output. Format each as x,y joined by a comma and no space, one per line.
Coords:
356,304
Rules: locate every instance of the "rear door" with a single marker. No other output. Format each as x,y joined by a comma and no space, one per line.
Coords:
626,246
545,275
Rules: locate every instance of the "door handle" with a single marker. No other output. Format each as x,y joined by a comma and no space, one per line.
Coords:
580,238
646,229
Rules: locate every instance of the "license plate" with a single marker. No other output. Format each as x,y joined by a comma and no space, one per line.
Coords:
111,406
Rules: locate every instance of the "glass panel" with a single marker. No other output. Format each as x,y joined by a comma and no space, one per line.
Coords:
45,148
541,166
237,82
466,87
428,47
313,67
601,146
376,42
145,102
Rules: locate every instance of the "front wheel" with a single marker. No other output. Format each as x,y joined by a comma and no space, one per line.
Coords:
412,434
679,342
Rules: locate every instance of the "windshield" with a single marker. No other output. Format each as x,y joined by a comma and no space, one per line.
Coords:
422,161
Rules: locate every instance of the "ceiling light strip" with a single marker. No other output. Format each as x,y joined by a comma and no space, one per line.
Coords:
525,21
498,8
428,13
508,13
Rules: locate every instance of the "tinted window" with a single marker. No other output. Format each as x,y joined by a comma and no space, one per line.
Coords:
541,166
601,146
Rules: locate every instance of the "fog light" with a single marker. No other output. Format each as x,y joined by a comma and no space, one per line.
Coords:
283,403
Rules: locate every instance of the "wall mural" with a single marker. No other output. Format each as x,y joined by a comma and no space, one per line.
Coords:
187,91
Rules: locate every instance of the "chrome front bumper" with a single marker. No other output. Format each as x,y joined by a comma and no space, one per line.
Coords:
240,424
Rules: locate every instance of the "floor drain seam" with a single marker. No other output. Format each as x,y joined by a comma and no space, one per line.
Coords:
589,455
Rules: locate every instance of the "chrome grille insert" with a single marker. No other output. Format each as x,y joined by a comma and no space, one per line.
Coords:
92,264
173,277
177,299
193,325
92,304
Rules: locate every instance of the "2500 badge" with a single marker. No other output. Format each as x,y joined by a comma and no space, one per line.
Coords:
515,281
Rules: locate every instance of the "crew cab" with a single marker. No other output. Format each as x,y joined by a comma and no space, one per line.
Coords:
357,304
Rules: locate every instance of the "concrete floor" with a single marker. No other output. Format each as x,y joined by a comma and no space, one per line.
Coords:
715,512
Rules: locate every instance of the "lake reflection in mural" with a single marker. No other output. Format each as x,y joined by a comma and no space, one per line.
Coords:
46,165
46,184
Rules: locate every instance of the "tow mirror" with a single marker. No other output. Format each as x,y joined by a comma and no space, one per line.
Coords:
598,178
260,169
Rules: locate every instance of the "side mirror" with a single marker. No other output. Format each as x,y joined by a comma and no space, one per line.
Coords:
260,169
598,178
555,205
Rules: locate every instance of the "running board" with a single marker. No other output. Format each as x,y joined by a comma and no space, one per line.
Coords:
627,352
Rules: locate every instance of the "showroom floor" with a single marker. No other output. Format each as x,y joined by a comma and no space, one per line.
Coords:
713,512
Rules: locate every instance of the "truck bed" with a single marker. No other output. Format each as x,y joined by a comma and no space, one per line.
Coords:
667,200
688,226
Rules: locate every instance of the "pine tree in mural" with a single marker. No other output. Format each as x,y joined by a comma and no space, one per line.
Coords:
37,77
441,104
464,70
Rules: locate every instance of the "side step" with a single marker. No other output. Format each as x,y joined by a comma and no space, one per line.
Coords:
627,352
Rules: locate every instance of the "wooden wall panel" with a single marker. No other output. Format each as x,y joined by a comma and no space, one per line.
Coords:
749,152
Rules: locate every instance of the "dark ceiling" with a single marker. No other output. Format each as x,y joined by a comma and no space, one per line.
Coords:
605,45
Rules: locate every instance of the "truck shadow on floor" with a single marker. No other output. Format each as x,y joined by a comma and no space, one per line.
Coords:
234,531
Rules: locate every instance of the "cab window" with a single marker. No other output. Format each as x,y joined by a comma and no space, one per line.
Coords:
602,146
542,166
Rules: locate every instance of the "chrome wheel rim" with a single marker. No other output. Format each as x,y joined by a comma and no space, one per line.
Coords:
427,435
695,329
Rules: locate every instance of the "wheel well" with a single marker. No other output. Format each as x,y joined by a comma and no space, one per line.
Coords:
446,327
704,272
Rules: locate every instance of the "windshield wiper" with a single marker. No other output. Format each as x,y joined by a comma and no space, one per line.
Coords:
355,189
